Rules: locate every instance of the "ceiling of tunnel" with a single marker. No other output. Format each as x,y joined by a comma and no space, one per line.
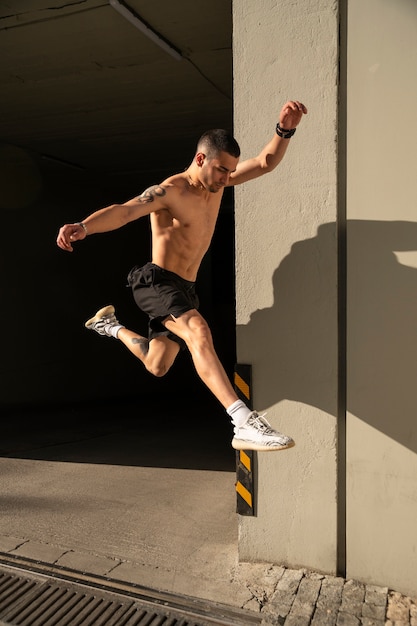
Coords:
82,86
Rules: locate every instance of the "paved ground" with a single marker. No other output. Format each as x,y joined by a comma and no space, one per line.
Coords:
139,499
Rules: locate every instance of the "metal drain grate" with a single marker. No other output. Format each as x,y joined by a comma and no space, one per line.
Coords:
65,597
25,602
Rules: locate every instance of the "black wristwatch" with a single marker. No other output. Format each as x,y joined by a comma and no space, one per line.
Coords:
284,133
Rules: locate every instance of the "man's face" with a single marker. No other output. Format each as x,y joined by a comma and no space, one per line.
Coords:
215,172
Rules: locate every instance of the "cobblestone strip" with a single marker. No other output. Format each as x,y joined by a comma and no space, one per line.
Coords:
305,601
375,606
309,599
328,603
277,609
353,596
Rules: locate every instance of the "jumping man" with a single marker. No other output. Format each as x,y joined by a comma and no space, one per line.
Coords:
183,211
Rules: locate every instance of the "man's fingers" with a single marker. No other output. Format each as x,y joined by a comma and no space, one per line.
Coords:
292,113
295,105
64,245
65,236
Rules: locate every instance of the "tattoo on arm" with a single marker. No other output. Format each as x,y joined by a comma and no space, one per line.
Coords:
143,344
149,194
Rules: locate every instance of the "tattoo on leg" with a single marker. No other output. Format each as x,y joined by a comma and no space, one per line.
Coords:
143,344
149,194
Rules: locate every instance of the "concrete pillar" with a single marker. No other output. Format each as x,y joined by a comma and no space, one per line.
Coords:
286,274
382,293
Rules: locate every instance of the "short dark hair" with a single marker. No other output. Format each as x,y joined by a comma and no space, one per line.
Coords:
218,140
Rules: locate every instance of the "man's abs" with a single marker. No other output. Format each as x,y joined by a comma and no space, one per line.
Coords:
179,254
181,265
181,235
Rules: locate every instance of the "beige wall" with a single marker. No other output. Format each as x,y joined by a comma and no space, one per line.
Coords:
382,293
286,258
287,274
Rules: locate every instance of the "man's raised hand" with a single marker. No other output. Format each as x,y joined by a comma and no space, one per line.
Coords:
291,114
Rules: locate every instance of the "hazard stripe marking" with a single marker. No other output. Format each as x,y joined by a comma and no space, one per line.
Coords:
242,386
245,460
244,493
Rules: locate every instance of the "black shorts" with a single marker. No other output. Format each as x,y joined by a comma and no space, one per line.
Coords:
160,293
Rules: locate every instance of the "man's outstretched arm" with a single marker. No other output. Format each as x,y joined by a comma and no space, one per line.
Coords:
112,217
274,151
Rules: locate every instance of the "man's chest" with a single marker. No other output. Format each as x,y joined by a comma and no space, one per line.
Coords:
198,218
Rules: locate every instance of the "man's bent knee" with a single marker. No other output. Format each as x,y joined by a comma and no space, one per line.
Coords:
157,369
161,355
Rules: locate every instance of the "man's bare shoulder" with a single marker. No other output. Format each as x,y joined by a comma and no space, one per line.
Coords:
165,196
160,193
177,183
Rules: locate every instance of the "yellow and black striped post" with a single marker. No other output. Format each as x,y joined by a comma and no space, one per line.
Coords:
244,458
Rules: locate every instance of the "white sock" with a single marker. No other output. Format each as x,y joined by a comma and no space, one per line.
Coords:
114,330
239,412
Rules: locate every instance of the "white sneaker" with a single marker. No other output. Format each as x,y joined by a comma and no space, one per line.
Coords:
257,434
103,321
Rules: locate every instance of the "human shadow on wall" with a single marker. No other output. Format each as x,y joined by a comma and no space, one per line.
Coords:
298,333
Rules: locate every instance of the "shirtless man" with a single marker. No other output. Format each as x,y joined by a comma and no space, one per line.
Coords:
183,211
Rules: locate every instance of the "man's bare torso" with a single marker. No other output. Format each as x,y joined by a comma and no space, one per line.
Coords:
182,231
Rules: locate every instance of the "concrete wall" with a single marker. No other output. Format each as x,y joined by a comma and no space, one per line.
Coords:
287,284
382,293
286,274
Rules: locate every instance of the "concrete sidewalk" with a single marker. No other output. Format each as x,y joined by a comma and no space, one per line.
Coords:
137,498
280,595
